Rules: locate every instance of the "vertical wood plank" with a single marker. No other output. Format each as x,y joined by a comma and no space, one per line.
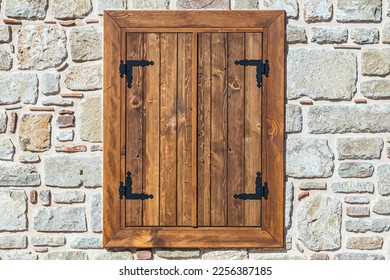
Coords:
236,98
253,95
134,129
218,130
204,127
184,130
194,135
168,129
152,128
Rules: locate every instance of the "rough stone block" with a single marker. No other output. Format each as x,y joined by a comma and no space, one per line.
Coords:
51,241
357,199
288,208
312,186
376,62
5,60
66,255
86,243
96,212
363,225
164,4
18,256
26,9
362,10
110,5
13,210
355,170
317,10
80,77
245,4
363,35
29,158
227,254
35,132
45,197
3,121
277,257
353,187
174,254
365,243
382,207
293,118
33,197
91,120
290,6
386,33
329,35
18,87
109,255
13,242
50,83
310,70
65,9
5,34
71,148
66,121
296,34
69,197
383,179
144,254
358,211
17,174
85,43
200,4
7,149
375,89
359,148
358,256
65,135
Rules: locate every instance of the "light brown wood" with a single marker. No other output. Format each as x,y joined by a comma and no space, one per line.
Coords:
194,130
192,30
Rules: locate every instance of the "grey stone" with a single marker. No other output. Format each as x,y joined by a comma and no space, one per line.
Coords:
21,256
41,46
363,225
274,257
13,210
362,10
358,256
29,158
376,62
18,87
109,255
329,35
35,132
111,5
319,223
57,102
7,149
65,9
348,118
162,4
288,242
91,120
312,186
17,174
309,158
5,60
26,9
383,179
69,197
296,34
317,10
362,35
245,4
66,255
80,77
293,118
65,135
375,89
365,243
3,121
357,199
310,70
290,6
50,83
226,254
45,197
355,170
386,33
5,33
178,253
85,43
86,243
73,171
61,219
96,212
382,207
353,187
289,193
13,242
200,4
359,148
52,241
358,211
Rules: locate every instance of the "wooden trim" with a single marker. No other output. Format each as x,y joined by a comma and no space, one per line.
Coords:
194,148
194,30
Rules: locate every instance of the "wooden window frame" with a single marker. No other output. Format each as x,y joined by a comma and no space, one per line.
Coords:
116,24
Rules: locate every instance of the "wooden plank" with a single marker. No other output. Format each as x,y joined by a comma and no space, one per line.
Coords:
253,50
193,30
184,130
218,130
134,129
152,130
236,98
204,127
168,129
194,135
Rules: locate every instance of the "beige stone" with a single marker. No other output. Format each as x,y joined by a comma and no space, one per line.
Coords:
35,132
91,119
376,62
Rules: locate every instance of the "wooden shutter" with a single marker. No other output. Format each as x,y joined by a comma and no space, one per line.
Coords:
194,129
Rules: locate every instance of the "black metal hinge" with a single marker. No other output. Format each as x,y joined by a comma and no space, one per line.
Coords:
127,69
261,191
261,68
127,190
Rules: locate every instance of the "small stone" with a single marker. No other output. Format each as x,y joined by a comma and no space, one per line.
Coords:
7,149
85,43
41,109
296,34
386,33
309,158
359,148
50,83
51,241
383,179
80,77
12,122
306,102
363,225
57,102
227,254
293,118
3,121
355,170
357,211
312,186
61,219
64,9
18,87
365,243
358,256
66,112
65,135
13,242
33,197
26,9
288,242
108,255
376,62
41,250
288,208
5,34
362,10
353,187
45,197
329,35
65,121
72,95
86,243
382,207
319,223
96,212
29,158
41,46
89,21
91,120
164,4
317,10
144,255
5,60
302,195
21,256
110,5
12,21
19,175
178,254
320,257
13,210
62,67
299,248
357,199
245,5
375,89
69,197
67,22
66,255
13,107
71,148
290,6
276,257
96,148
363,35
35,132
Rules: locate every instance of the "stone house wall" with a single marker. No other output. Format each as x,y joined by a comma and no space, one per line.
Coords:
337,124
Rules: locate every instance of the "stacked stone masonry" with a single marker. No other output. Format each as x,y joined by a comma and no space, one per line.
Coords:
337,126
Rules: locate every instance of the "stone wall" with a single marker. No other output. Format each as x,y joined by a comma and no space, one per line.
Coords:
337,124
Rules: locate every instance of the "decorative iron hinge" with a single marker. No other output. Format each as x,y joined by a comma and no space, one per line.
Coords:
127,190
261,68
261,191
127,69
